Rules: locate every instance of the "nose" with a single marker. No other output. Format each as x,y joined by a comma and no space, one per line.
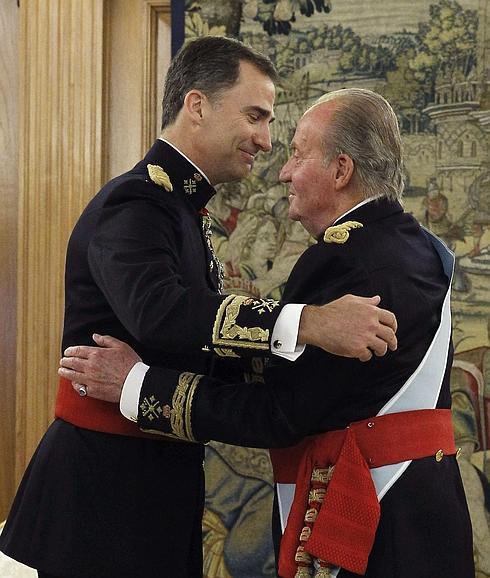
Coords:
285,174
262,138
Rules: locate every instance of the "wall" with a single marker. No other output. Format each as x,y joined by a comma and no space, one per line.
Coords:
9,186
71,129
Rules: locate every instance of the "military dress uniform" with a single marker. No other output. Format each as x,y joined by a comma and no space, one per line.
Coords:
99,498
424,529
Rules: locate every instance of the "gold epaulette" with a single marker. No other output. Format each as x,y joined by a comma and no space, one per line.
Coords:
160,177
340,233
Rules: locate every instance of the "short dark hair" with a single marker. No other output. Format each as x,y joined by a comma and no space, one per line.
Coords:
210,64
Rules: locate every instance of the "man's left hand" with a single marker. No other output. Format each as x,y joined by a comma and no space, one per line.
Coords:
102,370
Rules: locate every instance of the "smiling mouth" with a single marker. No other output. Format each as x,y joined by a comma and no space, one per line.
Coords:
249,157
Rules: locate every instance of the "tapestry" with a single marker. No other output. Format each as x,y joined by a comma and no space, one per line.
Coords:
431,60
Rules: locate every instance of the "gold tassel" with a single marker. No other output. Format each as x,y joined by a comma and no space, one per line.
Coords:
303,572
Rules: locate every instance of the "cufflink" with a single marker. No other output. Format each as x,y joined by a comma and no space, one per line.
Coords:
277,344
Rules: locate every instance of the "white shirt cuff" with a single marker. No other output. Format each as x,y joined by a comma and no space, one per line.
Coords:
130,394
285,333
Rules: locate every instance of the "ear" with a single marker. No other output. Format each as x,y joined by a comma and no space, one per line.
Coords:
344,170
194,103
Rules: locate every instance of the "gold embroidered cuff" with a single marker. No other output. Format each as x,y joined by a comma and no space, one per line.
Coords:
179,415
232,324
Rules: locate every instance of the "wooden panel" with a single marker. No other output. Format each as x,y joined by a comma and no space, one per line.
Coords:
157,60
125,58
139,55
9,72
61,137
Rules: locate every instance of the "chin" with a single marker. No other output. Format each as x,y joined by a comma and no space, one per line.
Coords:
247,169
292,214
240,172
234,177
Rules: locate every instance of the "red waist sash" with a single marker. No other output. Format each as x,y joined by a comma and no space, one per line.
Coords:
335,518
95,414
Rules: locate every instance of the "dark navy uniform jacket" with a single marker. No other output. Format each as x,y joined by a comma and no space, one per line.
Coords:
139,268
425,529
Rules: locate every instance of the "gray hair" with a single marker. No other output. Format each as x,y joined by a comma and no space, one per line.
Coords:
364,127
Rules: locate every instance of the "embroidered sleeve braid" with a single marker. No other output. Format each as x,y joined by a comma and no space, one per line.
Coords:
174,421
239,324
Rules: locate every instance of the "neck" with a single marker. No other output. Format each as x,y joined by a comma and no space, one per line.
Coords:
182,140
176,137
345,202
185,143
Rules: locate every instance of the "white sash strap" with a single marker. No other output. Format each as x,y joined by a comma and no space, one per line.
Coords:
420,391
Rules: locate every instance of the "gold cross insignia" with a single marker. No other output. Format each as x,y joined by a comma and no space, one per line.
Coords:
340,233
150,408
160,177
189,186
262,304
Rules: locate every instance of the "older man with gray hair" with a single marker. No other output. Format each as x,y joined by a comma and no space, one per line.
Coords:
377,486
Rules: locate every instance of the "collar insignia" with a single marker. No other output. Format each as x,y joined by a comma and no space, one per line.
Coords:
160,177
340,233
190,186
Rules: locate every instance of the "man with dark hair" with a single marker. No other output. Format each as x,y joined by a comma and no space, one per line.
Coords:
101,499
380,493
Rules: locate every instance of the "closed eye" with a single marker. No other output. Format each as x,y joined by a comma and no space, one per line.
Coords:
256,113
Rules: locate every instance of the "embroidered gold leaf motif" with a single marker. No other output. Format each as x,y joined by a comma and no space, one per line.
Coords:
225,352
231,330
227,332
180,414
160,177
340,233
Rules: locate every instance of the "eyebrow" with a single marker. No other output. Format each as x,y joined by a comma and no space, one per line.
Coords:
262,112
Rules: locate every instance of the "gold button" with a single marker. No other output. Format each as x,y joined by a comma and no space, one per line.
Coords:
458,453
439,455
211,265
277,344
